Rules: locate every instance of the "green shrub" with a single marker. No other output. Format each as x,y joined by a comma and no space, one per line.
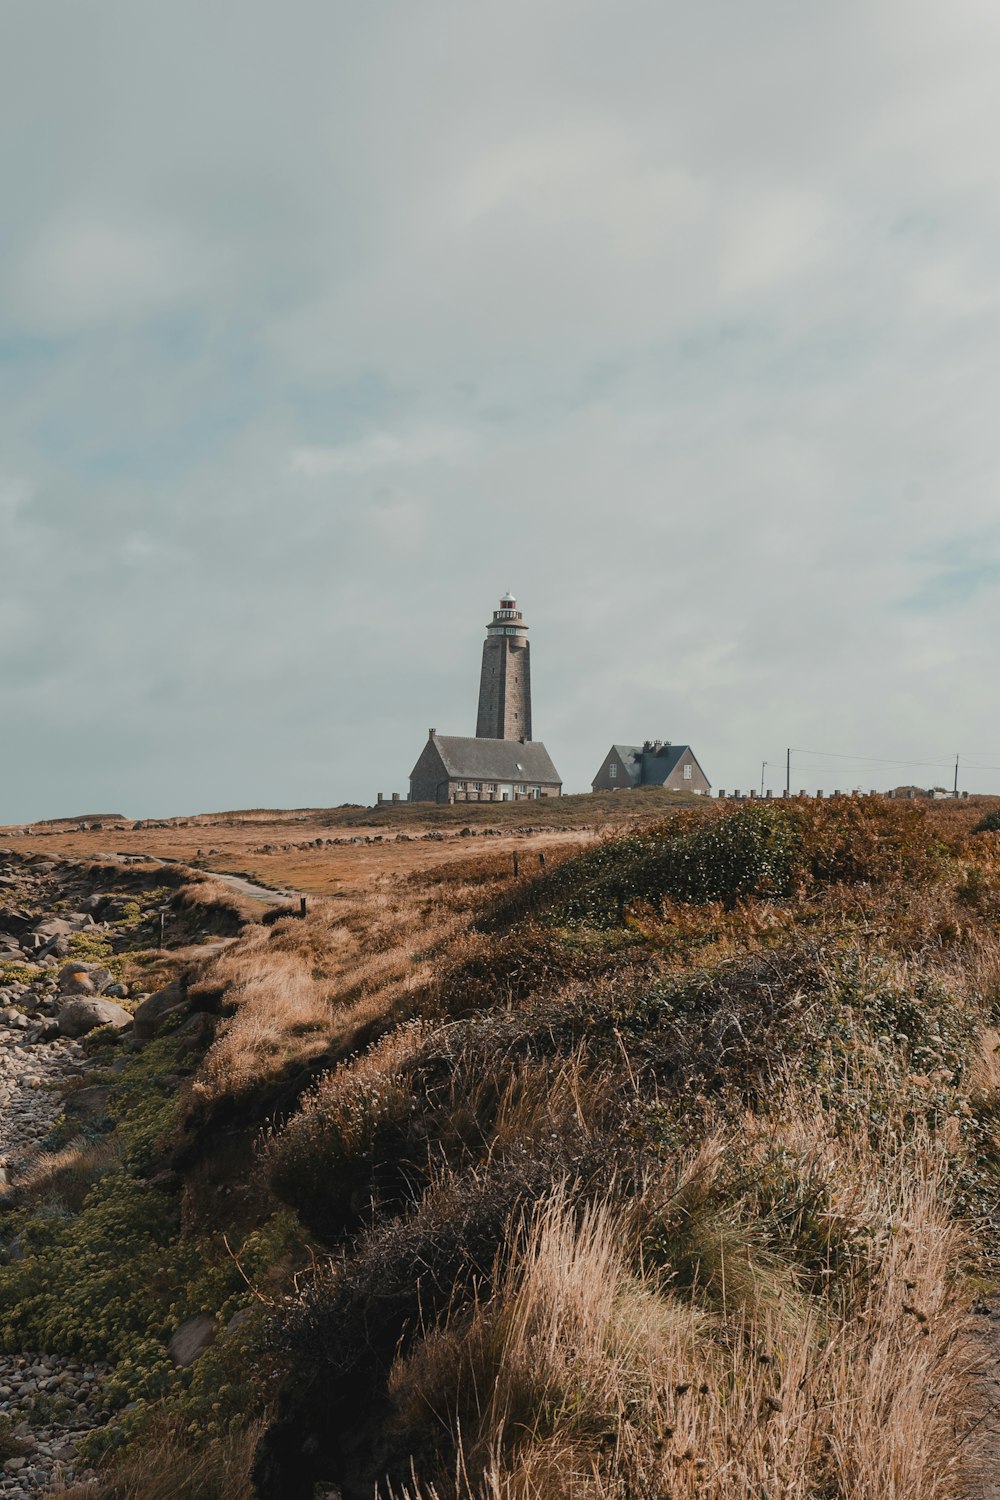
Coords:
758,850
10,1446
749,852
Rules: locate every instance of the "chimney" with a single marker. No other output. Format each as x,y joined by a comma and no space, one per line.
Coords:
431,733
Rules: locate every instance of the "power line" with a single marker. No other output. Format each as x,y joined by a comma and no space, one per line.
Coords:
880,760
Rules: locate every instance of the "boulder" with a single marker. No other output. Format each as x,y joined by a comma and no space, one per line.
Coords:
56,947
192,1338
85,1013
54,927
152,1013
87,1104
83,979
197,1033
240,1318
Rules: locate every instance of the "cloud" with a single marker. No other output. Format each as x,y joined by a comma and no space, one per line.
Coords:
82,271
320,325
382,450
15,495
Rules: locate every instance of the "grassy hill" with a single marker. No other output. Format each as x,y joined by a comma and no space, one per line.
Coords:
664,1170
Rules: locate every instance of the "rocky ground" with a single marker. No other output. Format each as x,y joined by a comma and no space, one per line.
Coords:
48,1402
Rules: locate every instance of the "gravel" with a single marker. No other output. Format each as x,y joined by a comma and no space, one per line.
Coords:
51,1402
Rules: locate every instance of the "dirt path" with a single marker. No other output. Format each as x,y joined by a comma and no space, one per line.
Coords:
253,892
238,883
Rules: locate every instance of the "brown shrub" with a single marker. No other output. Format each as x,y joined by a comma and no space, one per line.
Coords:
582,1376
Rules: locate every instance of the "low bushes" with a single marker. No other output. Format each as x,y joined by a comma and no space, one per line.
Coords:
757,850
585,1372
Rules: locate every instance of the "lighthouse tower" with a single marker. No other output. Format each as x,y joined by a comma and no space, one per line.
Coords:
505,681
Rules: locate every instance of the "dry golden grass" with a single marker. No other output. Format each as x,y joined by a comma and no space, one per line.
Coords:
586,1376
342,870
302,988
61,1179
169,1468
278,1015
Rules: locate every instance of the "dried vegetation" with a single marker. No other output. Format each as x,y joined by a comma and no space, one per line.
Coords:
665,1171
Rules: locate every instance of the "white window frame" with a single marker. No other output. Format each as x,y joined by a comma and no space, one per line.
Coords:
613,770
687,771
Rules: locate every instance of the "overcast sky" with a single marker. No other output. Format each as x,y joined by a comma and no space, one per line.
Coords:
321,324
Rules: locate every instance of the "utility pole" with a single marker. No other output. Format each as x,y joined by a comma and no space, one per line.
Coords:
956,775
763,766
788,773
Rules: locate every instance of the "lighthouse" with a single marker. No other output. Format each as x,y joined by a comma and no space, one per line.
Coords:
501,763
505,679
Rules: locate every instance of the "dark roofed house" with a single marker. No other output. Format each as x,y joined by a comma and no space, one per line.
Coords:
456,768
656,763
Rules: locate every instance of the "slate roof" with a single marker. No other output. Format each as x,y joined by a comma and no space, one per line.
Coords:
657,765
471,759
632,756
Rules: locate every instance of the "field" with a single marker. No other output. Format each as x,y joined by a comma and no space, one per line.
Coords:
279,849
668,1169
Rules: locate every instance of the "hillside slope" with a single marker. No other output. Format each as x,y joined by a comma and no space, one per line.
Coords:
669,1168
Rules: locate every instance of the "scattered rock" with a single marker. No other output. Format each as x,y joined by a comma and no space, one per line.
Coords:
192,1338
85,1013
87,1104
152,1013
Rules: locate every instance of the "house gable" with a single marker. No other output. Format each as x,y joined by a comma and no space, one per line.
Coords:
621,768
429,772
668,770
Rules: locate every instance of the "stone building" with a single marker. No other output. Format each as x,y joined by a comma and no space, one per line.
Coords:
452,768
501,763
655,763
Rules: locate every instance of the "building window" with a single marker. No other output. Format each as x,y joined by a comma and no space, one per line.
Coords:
613,772
461,786
477,786
687,773
521,787
493,786
536,791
